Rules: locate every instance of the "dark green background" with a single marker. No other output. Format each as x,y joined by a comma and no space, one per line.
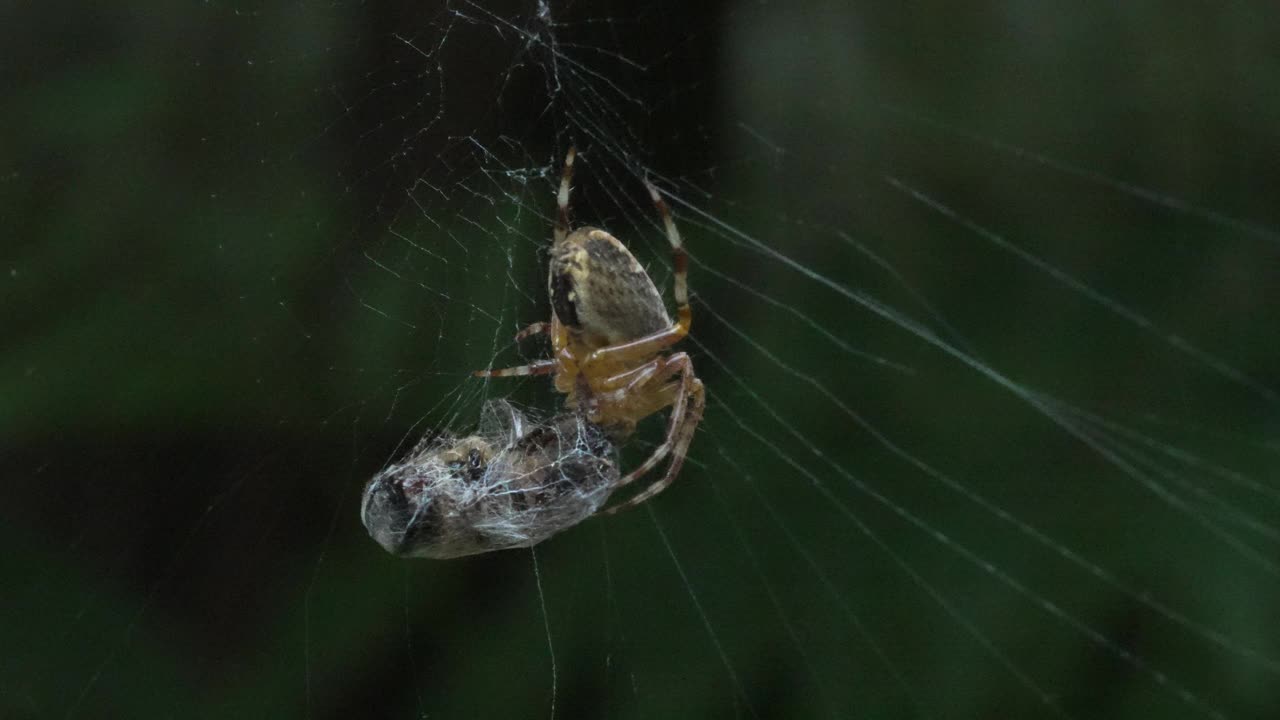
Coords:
248,249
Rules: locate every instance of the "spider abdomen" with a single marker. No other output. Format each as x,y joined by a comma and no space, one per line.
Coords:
599,290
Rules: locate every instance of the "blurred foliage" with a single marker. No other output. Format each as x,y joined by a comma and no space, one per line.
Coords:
219,327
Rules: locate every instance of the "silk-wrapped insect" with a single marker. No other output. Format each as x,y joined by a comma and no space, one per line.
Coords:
514,483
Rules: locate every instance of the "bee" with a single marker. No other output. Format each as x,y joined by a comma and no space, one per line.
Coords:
514,483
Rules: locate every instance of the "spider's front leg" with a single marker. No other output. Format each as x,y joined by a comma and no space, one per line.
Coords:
687,399
629,353
561,362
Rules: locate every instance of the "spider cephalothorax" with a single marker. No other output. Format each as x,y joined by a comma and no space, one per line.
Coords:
608,331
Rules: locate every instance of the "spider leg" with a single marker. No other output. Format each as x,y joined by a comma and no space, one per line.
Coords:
647,346
537,328
625,390
679,410
679,258
561,229
541,367
686,412
628,382
563,359
678,454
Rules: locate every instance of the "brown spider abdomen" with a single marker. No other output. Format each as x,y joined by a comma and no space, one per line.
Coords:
600,291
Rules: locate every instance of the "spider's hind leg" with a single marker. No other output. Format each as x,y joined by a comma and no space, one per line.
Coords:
686,412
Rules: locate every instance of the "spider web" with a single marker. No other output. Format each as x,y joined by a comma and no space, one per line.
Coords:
984,305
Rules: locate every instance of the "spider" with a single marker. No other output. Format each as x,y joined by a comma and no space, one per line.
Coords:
608,331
